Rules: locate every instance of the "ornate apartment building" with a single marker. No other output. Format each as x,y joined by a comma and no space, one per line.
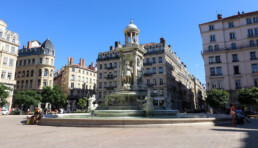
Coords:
164,73
230,48
35,66
9,43
76,80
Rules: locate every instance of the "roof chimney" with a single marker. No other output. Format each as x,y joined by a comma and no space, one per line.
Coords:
29,45
116,44
243,12
24,46
70,61
111,47
162,40
219,16
169,46
238,13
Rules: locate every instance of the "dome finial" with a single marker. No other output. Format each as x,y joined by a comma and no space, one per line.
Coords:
131,21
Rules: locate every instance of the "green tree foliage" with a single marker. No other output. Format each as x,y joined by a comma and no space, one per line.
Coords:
217,98
83,103
4,93
54,95
248,96
27,98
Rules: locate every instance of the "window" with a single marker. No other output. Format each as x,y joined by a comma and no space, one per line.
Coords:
234,58
211,60
216,47
210,48
160,81
100,84
20,63
232,35
251,43
5,61
148,81
255,82
39,82
250,32
248,21
99,94
26,84
72,85
148,70
100,66
105,66
24,62
212,38
23,73
51,73
19,74
45,72
236,70
217,59
154,70
147,60
44,82
218,70
238,84
115,65
22,83
255,19
52,61
230,24
153,60
252,56
256,31
18,84
154,81
254,68
160,59
211,27
33,61
40,72
47,61
72,77
220,84
213,84
73,69
40,61
160,69
27,73
212,71
28,61
9,76
233,45
12,50
31,83
7,48
31,73
79,78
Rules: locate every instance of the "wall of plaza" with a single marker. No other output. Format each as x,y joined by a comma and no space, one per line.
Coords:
230,48
9,43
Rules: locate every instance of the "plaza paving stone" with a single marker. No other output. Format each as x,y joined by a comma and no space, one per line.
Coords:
15,134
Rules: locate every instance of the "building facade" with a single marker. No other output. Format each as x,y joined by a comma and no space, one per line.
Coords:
164,73
77,81
230,48
35,66
9,43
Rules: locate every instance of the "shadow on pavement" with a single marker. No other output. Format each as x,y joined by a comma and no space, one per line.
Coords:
251,129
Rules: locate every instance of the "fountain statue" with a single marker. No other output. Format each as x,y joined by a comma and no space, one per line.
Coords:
148,106
168,104
91,106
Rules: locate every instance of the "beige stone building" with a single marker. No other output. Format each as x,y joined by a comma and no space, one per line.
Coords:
76,80
230,48
35,66
164,73
9,43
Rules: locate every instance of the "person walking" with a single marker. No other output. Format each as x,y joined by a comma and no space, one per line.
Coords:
233,113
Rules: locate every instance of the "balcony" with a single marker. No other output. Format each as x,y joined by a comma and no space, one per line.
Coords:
110,87
154,52
229,48
108,58
235,60
147,74
252,35
110,67
215,62
213,74
148,63
253,58
110,77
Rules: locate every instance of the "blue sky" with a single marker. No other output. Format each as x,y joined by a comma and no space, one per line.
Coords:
83,28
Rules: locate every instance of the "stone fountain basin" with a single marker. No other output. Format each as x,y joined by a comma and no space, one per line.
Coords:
86,120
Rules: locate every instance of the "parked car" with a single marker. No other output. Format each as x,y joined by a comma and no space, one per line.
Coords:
4,111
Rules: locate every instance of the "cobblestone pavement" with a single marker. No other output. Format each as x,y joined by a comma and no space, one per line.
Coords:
15,134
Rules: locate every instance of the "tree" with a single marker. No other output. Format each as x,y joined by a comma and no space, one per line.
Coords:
83,103
26,98
54,95
4,93
248,96
217,98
